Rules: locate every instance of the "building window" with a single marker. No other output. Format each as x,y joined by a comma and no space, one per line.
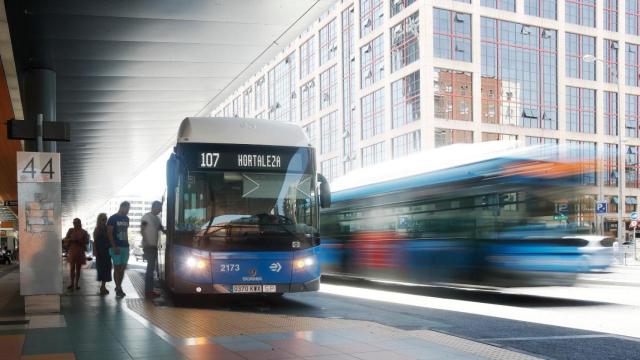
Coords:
399,5
308,99
349,138
452,97
307,57
328,88
613,203
508,5
247,101
371,16
405,100
226,110
632,115
372,62
632,17
260,92
282,90
372,108
488,136
310,130
610,16
444,137
541,8
328,42
536,140
610,113
329,168
405,144
545,152
610,61
610,175
452,35
519,89
373,154
632,66
580,12
404,42
631,167
631,203
578,46
236,107
581,110
329,132
584,152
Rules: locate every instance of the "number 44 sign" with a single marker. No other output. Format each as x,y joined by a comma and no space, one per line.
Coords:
38,167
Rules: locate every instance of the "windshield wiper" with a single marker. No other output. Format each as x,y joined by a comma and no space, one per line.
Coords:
282,226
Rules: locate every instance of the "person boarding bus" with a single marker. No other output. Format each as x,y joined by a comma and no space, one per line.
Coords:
150,227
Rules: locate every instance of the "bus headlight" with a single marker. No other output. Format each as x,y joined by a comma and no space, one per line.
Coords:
193,263
308,261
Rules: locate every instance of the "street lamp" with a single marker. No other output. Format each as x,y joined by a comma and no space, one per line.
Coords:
588,58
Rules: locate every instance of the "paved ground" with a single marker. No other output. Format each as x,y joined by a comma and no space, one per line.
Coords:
96,327
598,319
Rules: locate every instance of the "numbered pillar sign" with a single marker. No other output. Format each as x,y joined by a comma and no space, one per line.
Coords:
39,211
38,167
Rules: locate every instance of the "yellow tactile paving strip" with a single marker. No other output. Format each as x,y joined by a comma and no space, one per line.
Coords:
11,346
193,323
197,323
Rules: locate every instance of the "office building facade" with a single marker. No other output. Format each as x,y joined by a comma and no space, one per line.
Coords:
376,80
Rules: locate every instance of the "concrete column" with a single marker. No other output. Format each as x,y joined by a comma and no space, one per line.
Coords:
42,294
39,98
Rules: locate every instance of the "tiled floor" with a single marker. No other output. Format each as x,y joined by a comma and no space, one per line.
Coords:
94,327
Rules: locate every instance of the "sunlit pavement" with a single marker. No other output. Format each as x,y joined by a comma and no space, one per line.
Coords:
104,327
606,303
597,319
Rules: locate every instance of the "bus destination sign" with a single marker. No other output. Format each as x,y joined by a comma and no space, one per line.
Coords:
259,160
210,160
244,158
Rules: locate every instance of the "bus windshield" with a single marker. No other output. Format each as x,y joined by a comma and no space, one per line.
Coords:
242,211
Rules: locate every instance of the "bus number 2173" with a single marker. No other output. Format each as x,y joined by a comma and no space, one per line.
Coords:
209,160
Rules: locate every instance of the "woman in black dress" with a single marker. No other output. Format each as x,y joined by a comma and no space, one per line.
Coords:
101,247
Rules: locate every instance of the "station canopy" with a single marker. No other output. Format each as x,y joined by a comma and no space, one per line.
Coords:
128,72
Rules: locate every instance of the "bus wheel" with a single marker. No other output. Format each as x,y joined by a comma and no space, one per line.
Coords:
181,300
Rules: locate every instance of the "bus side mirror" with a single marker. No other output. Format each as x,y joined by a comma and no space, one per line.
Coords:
325,192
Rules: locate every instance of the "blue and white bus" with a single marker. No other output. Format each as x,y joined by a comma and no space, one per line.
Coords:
242,210
487,214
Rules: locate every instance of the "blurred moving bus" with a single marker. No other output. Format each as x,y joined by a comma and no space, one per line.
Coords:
488,214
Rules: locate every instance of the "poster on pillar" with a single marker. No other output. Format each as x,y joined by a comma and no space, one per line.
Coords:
40,227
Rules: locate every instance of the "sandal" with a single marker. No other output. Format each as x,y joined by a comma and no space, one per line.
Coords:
70,287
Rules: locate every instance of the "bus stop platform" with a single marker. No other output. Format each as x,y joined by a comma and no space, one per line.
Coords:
97,327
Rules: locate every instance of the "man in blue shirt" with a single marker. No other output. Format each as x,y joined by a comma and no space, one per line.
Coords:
117,231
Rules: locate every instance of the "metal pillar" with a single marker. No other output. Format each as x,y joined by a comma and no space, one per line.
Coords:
39,103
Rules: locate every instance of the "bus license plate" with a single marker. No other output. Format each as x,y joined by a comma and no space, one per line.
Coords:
253,288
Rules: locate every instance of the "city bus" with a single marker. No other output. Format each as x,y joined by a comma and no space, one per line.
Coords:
242,209
488,214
